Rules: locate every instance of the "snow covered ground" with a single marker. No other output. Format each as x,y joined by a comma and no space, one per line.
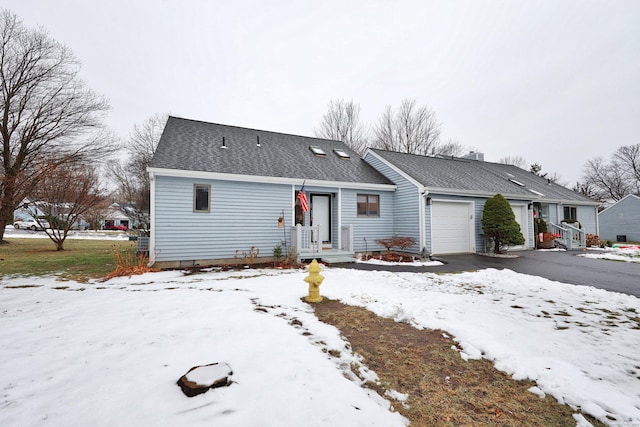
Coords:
11,232
616,253
110,353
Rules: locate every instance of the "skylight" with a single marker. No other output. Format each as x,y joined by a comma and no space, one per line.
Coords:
317,150
516,182
536,192
341,153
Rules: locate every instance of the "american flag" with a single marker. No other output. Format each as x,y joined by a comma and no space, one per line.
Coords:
302,198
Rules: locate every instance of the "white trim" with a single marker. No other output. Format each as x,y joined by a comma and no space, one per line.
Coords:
152,219
293,209
422,201
397,170
269,179
339,209
618,201
519,197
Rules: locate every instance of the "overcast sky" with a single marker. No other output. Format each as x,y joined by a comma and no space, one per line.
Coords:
557,82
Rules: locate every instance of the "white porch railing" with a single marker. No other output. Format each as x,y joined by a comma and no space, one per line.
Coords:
569,236
346,238
304,239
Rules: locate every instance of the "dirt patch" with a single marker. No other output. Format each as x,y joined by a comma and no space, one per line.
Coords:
443,389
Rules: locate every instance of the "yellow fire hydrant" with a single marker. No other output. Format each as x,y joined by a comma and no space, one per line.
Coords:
314,279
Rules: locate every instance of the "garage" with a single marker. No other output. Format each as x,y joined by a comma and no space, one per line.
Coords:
451,227
521,214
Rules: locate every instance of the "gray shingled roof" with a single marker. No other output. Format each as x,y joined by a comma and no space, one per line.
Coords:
464,175
195,146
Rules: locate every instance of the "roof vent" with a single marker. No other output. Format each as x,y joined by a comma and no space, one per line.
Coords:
258,141
342,154
224,145
317,151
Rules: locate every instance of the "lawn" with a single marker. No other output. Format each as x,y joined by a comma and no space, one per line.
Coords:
80,261
430,344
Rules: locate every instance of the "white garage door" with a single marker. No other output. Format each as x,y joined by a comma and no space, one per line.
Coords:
451,227
521,213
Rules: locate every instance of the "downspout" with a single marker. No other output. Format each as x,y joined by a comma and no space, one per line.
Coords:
152,219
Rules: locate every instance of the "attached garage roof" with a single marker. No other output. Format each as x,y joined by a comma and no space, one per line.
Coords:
476,176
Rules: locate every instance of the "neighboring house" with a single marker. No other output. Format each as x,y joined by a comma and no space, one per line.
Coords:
620,222
115,217
28,208
218,191
439,201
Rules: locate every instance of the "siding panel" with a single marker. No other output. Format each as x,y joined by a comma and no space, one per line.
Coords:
406,200
623,218
242,215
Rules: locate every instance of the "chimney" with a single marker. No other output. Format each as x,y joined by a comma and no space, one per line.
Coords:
473,155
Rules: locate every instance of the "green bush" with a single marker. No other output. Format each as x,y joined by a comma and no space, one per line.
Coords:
499,223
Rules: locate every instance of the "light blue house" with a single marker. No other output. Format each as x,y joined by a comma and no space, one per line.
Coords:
620,222
220,193
439,201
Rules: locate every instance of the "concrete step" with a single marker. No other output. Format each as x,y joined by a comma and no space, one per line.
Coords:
337,259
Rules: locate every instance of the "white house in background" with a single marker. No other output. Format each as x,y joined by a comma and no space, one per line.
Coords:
620,222
219,190
114,217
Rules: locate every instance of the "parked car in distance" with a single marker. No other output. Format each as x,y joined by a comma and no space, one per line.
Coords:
115,227
30,224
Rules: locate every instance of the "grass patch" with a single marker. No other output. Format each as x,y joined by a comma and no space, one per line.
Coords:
81,260
443,389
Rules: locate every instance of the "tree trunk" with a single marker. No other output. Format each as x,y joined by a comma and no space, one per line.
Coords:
496,246
6,205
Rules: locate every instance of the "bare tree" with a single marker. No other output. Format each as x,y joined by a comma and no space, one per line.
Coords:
342,122
627,158
63,195
130,174
608,180
46,111
588,190
518,161
411,129
451,148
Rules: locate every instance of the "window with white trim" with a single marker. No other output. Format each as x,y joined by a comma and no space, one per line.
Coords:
368,205
570,213
201,198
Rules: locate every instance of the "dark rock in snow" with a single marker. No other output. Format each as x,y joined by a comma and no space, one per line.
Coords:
200,379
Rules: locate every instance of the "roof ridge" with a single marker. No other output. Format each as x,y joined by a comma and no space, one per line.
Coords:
256,130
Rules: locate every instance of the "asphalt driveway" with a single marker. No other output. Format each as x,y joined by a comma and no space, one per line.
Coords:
561,266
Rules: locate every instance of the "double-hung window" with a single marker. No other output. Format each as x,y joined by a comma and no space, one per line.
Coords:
368,205
570,213
201,198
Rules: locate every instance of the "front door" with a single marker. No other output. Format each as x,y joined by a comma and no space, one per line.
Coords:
321,215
